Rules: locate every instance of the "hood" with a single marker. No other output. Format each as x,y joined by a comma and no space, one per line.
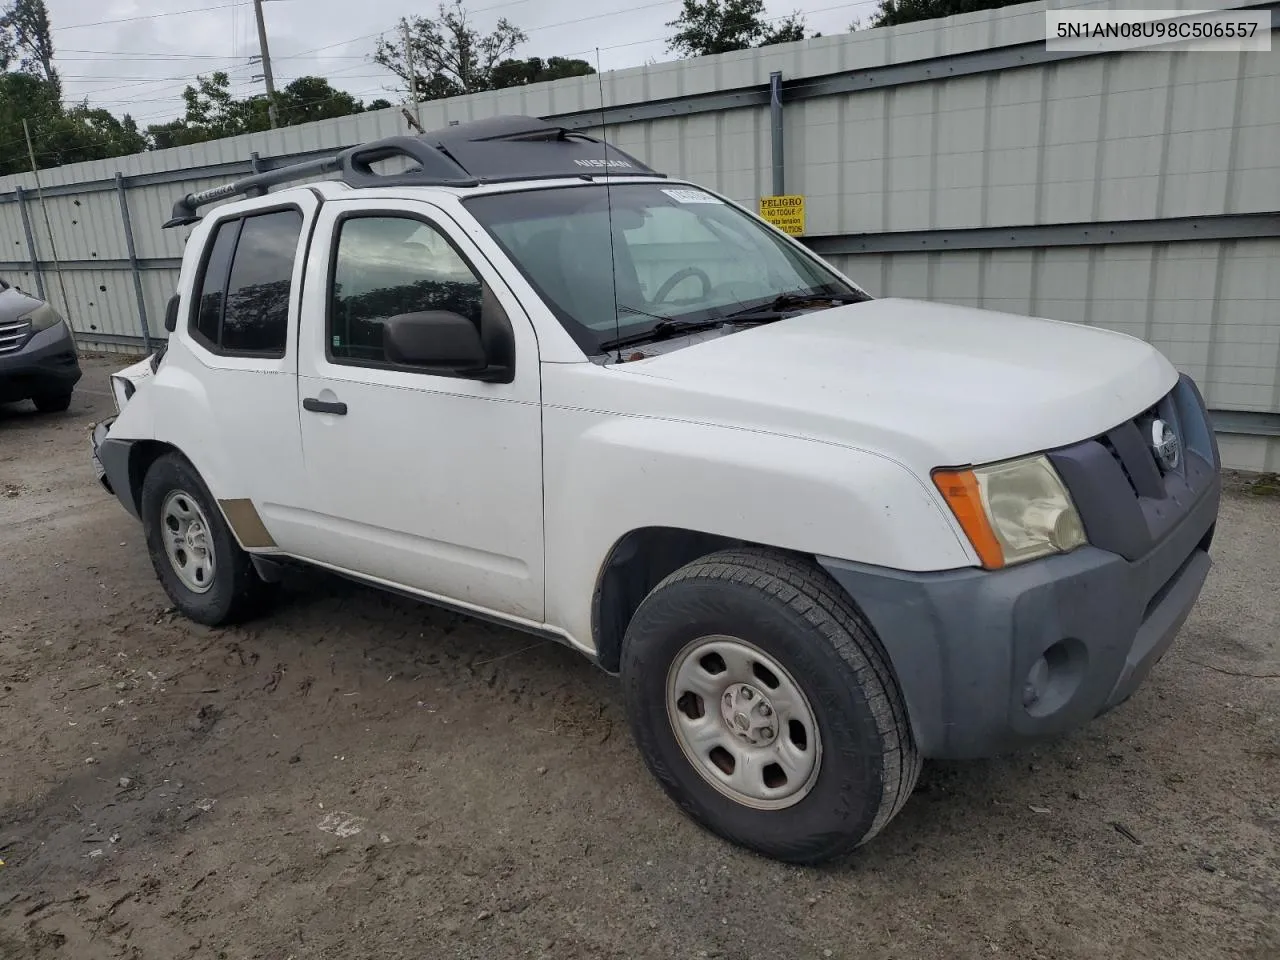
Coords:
926,383
15,304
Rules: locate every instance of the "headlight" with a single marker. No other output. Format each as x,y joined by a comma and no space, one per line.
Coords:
1014,511
42,318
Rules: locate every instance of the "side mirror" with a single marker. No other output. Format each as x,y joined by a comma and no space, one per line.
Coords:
171,314
437,340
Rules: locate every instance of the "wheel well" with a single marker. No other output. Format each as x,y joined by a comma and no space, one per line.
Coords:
638,563
142,455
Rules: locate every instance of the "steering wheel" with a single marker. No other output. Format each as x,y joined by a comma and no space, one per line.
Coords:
683,274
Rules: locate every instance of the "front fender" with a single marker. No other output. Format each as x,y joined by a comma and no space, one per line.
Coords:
608,474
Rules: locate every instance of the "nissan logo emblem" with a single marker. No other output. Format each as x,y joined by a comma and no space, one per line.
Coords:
1165,445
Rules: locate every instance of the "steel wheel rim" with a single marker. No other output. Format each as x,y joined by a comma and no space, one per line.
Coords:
188,541
743,722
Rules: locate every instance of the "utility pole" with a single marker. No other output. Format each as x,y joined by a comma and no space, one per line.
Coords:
413,73
266,63
44,209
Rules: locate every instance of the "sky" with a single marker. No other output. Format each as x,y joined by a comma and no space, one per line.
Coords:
135,56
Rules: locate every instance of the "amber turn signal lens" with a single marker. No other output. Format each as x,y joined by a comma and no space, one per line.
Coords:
960,489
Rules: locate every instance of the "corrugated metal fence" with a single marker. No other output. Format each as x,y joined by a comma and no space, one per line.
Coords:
955,160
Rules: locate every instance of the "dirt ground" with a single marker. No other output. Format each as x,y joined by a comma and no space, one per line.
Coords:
359,776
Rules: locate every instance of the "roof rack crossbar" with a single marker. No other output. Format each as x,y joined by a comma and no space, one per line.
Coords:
495,150
184,210
355,164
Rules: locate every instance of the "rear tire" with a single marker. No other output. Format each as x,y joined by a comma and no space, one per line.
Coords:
206,574
765,706
52,402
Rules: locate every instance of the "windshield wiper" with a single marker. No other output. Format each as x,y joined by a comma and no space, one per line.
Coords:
766,312
773,310
662,330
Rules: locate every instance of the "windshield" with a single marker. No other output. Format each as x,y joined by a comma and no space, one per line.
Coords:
678,254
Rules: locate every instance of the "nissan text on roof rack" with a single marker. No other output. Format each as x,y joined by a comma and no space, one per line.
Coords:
820,536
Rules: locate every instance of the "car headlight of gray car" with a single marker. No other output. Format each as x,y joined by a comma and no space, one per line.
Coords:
42,318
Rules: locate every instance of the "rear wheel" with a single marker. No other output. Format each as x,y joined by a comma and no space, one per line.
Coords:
764,704
201,567
52,402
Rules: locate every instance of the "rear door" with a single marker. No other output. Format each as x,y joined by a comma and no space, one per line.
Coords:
426,481
242,329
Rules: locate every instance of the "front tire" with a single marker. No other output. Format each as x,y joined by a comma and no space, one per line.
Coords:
52,402
764,704
206,574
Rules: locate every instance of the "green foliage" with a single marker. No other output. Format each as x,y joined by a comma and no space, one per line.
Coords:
313,98
29,90
212,112
58,135
891,12
720,26
518,73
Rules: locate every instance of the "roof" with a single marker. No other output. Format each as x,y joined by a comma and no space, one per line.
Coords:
496,150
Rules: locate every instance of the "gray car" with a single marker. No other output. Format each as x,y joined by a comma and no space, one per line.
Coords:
38,360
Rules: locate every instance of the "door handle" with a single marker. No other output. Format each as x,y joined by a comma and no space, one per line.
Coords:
324,406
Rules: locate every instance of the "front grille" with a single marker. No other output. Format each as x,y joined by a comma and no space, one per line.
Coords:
1127,501
1107,445
13,335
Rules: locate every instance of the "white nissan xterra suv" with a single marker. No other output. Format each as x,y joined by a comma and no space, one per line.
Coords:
819,535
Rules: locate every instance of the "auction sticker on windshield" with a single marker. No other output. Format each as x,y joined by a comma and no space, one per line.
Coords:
690,196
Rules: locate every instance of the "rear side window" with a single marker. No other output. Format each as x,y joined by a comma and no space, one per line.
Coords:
213,287
244,299
389,265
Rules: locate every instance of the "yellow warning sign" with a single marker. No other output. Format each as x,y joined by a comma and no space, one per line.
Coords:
785,213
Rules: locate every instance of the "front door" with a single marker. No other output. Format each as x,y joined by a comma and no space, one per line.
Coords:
415,479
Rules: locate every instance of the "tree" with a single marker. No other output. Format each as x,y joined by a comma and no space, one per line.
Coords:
450,57
518,73
720,26
312,98
58,135
31,92
380,104
213,113
28,36
7,51
891,12
23,97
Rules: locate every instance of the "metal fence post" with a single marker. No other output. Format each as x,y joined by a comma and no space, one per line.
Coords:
31,240
133,260
775,126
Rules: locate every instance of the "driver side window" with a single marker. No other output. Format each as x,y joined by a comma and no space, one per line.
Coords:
388,265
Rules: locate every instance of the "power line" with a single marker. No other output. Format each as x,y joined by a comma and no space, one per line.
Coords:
107,55
150,16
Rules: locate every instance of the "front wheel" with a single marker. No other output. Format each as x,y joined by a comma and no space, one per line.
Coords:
765,706
206,574
52,402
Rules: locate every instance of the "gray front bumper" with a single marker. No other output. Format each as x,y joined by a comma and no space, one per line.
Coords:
964,643
46,364
97,436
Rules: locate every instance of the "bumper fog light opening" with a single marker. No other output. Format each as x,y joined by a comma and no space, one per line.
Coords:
1054,678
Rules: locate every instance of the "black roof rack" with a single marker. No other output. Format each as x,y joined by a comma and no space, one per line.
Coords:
496,150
